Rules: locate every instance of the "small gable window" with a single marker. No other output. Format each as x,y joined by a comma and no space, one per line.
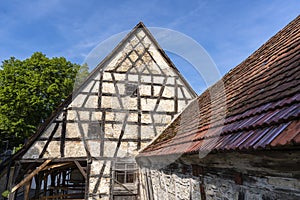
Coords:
125,172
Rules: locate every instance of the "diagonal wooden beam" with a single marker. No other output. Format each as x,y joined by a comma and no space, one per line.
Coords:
123,186
49,140
80,169
56,166
31,175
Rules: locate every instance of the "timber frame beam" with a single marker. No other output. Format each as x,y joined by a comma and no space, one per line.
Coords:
31,175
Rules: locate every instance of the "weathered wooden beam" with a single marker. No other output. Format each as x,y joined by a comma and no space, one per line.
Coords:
80,169
139,106
122,185
27,190
102,135
49,139
57,160
56,165
31,175
121,135
63,133
60,196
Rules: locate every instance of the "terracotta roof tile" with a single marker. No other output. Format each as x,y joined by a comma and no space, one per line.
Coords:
262,97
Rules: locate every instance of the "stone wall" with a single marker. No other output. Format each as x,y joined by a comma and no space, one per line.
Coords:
175,185
187,181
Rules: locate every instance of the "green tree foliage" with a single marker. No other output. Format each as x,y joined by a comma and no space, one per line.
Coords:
30,90
82,73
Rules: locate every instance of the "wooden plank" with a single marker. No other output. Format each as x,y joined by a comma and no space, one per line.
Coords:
150,187
80,169
122,185
56,166
31,175
59,196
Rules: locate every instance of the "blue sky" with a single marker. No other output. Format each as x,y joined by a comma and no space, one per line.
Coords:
228,30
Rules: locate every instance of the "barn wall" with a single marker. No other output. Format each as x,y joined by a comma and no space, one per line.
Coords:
235,179
175,185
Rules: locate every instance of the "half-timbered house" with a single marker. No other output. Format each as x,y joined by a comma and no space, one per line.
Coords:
86,149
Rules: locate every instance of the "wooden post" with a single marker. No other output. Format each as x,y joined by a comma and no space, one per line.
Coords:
52,177
38,182
27,190
45,183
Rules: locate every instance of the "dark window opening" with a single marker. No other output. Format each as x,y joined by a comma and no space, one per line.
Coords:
131,90
125,176
95,130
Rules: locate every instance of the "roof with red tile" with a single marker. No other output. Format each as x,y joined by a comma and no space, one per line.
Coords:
261,110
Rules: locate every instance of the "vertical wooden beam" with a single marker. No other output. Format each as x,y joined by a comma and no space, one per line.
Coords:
59,177
152,86
10,178
102,134
87,186
63,133
150,188
138,183
17,169
100,89
202,191
111,180
146,190
45,179
38,182
52,176
176,95
139,107
27,190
